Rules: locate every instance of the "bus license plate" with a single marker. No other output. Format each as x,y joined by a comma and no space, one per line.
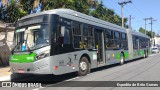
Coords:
20,71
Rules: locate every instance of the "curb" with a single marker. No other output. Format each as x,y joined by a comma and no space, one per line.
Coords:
5,78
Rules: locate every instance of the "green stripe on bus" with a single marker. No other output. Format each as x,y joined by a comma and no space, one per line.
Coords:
118,57
23,58
137,53
126,54
142,52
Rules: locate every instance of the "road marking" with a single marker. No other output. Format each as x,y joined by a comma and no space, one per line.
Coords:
5,78
56,83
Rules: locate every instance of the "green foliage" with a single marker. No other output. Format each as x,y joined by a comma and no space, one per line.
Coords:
142,30
16,9
11,12
26,5
107,15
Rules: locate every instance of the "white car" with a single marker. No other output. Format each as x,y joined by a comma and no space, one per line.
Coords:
155,50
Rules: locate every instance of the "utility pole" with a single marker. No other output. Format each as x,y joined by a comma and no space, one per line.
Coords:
151,28
122,9
152,20
130,21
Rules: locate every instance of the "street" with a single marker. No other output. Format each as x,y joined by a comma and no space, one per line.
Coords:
137,70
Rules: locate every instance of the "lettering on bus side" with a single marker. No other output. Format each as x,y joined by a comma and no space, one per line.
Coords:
70,61
61,63
75,56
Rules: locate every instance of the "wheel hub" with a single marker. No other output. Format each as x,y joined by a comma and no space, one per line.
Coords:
83,66
122,60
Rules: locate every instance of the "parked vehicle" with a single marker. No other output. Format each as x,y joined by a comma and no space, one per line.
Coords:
155,50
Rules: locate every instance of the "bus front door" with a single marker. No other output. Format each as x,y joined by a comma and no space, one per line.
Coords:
99,42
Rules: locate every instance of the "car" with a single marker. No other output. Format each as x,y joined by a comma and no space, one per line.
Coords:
155,50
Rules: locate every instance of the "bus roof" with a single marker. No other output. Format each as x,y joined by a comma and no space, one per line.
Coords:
77,16
134,32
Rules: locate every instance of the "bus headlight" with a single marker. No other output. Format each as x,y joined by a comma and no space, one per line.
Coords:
43,55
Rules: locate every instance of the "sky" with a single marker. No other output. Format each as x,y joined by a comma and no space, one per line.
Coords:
139,9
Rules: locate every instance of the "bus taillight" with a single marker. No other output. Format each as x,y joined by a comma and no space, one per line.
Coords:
55,67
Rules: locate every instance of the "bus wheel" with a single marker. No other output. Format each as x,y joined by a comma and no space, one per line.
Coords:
19,76
84,67
146,54
122,59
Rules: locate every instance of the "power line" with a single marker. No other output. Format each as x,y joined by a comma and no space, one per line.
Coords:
158,22
138,9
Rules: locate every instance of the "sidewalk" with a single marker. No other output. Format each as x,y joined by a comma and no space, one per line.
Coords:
5,71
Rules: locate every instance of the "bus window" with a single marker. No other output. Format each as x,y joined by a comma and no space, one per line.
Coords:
65,34
117,42
109,39
124,36
88,36
77,35
124,43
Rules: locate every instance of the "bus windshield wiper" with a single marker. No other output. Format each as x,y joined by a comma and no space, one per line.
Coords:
15,47
27,44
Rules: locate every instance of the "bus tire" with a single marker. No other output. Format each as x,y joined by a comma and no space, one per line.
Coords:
84,67
18,76
144,56
122,59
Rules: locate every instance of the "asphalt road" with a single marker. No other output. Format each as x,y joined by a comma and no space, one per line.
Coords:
136,70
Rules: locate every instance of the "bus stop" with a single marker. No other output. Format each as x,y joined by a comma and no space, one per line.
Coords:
6,42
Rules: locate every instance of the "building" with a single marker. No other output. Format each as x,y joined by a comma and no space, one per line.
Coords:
156,40
6,42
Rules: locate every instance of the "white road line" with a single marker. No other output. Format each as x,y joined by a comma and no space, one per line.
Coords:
5,78
56,83
64,81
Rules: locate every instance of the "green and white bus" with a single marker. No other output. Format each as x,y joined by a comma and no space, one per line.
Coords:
61,41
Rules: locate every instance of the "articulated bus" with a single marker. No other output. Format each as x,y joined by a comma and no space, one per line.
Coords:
62,41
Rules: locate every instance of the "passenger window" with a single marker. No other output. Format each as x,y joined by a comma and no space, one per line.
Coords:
88,36
77,35
116,35
124,36
65,35
109,39
116,41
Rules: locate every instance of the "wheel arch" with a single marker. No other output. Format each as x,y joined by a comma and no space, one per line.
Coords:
123,53
87,56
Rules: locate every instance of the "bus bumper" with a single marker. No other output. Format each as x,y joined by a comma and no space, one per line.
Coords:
37,67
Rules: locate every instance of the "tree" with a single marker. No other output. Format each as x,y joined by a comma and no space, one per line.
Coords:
142,30
82,6
27,5
107,14
11,11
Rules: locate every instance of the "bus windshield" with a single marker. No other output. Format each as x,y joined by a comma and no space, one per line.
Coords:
32,37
